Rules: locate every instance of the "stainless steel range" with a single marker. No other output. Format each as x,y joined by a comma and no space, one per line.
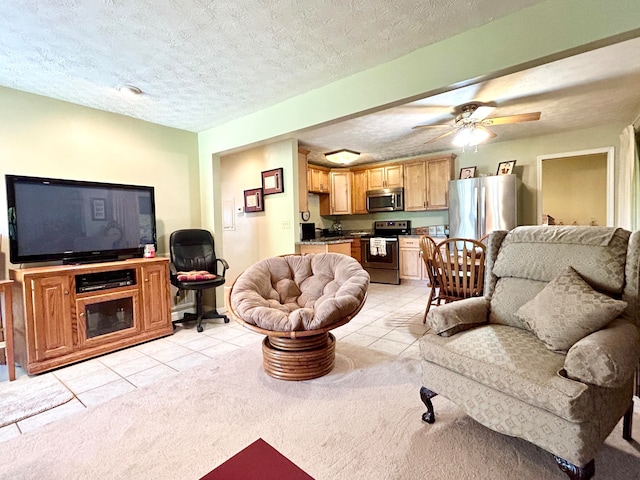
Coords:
380,251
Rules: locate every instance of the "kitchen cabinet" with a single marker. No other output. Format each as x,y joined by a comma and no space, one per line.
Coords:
411,265
303,198
64,314
335,246
340,192
427,183
385,177
356,249
318,179
359,192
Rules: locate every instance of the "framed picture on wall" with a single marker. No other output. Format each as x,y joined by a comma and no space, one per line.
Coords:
467,172
253,200
506,168
98,209
272,181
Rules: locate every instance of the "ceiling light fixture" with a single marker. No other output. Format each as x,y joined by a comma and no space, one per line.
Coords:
130,90
342,156
470,136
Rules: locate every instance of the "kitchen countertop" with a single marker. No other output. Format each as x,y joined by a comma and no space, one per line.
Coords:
326,241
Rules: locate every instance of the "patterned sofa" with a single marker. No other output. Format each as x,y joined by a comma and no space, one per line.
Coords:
548,354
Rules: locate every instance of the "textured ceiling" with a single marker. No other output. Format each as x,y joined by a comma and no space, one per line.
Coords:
201,63
594,88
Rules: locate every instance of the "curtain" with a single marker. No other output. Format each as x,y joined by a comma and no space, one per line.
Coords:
126,213
628,182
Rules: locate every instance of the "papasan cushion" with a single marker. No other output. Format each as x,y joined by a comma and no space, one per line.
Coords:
299,292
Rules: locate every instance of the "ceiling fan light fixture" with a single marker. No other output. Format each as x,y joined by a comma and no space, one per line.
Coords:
470,136
342,156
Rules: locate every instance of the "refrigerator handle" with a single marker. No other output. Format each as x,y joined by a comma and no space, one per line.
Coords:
482,217
476,208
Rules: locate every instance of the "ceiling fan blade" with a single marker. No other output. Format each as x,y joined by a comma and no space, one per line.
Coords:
485,129
446,134
522,117
436,125
481,112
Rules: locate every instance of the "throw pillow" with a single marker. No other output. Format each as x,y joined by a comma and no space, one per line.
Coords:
567,310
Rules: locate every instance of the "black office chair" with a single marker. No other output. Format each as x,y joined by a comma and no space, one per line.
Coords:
194,266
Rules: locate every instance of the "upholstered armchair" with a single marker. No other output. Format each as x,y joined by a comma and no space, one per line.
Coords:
548,354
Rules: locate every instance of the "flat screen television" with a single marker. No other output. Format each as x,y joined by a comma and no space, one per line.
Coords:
75,221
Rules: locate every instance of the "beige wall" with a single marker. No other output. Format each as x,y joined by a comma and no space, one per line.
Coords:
264,234
49,138
575,189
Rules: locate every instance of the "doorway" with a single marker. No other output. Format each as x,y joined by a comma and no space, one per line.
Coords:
576,188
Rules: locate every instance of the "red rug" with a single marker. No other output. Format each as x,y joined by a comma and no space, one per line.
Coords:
259,461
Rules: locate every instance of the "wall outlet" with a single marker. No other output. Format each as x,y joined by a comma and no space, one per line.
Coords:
286,224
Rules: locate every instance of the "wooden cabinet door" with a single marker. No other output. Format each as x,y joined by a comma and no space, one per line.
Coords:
438,176
340,193
375,178
359,192
356,249
156,307
53,332
393,176
324,181
415,195
313,179
410,264
107,318
303,198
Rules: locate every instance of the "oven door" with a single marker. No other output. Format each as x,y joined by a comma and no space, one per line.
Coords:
388,261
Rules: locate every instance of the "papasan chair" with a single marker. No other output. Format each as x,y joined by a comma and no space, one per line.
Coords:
295,300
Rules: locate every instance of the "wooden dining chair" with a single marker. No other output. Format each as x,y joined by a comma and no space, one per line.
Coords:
458,269
427,250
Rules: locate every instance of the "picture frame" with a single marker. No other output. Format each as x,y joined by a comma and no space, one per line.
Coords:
253,201
467,172
272,181
98,209
506,168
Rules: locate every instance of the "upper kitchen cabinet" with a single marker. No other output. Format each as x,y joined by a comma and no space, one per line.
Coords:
426,183
359,191
340,192
317,179
389,176
303,200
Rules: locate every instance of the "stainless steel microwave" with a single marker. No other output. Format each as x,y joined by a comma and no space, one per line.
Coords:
385,200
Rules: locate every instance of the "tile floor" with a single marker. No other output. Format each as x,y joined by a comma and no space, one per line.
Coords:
390,321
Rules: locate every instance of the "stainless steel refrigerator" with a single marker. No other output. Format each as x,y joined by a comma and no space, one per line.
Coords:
477,206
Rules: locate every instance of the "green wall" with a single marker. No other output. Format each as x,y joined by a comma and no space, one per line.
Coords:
44,137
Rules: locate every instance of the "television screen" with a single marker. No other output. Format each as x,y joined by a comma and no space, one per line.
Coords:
55,219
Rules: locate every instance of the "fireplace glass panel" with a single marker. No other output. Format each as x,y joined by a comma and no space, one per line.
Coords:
108,317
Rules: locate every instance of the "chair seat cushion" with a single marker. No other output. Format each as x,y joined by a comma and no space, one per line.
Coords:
195,276
293,292
514,361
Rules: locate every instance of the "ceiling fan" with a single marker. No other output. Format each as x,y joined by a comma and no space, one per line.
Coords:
471,122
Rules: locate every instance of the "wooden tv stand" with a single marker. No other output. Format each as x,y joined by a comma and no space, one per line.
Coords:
68,313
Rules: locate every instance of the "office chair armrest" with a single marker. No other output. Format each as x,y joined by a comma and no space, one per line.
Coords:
224,263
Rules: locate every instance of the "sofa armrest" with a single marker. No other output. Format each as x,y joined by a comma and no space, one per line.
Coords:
606,358
454,317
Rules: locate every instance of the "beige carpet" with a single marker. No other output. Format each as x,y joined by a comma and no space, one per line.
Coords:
360,422
27,397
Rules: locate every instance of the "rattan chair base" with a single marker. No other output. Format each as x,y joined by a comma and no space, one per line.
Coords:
301,358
